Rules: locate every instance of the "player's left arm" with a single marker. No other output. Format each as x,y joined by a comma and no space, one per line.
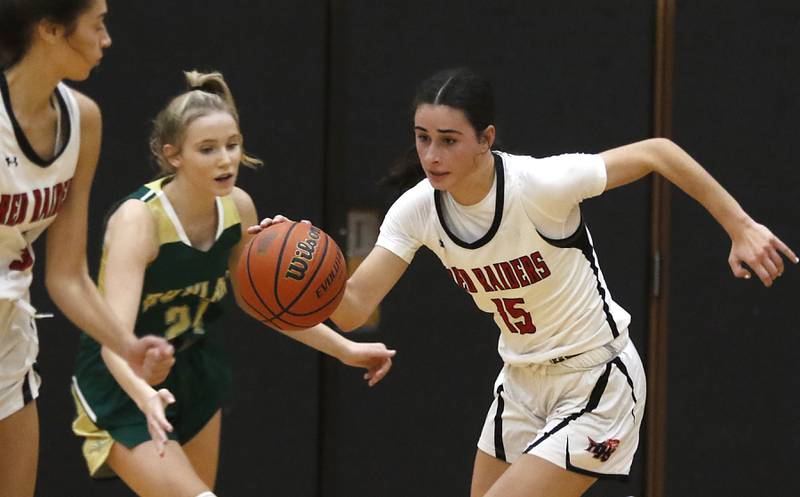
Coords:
66,271
374,357
751,243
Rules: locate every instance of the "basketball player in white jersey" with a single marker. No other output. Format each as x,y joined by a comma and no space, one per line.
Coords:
49,145
570,397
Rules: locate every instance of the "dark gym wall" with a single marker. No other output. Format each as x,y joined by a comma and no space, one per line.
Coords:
273,59
573,76
733,409
324,88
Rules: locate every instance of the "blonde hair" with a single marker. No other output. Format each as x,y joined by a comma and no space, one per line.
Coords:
206,93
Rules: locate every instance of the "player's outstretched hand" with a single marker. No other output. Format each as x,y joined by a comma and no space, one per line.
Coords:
756,249
269,221
150,356
157,424
374,357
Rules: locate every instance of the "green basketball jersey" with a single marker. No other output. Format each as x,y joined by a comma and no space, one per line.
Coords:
180,301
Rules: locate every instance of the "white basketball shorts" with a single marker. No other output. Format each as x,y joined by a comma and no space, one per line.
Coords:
19,346
581,414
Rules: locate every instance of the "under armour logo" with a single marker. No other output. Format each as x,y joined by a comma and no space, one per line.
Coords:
441,243
12,161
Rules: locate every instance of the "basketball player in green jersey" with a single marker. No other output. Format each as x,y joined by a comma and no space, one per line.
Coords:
167,250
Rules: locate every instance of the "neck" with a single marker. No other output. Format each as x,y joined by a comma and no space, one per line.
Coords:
190,203
479,183
31,82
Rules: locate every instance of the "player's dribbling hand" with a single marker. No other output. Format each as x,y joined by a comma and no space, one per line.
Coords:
269,221
150,355
756,247
157,424
374,357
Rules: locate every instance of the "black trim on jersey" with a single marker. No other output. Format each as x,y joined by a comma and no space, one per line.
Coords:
499,447
604,476
621,366
575,240
594,400
22,140
498,210
580,240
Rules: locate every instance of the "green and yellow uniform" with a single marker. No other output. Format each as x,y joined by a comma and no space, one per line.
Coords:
180,301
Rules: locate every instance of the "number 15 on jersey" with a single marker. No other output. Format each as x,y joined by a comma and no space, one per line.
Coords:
517,320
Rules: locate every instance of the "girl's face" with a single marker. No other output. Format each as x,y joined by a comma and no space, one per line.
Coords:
82,50
449,148
210,155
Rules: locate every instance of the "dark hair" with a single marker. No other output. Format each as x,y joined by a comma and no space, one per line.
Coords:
458,88
18,19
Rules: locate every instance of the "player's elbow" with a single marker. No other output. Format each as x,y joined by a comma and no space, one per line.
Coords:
658,152
65,281
355,309
55,281
348,321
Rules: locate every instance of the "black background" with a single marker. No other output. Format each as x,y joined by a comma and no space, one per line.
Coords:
324,89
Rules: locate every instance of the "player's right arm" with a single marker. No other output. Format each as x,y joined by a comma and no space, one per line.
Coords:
374,357
66,271
367,287
752,243
130,244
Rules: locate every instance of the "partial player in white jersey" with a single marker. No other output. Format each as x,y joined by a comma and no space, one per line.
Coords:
570,397
49,144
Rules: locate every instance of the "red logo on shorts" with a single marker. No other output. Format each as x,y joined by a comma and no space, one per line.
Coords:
602,450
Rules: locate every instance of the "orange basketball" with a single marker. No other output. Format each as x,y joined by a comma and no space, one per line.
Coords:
291,276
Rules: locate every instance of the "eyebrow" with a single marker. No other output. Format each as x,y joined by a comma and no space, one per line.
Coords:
214,140
440,130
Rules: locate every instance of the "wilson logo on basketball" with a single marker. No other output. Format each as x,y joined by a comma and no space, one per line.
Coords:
304,254
291,276
337,267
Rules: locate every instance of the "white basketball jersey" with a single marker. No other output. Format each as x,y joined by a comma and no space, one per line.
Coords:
31,189
548,297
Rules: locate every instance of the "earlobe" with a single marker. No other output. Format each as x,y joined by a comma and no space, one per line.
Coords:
489,135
